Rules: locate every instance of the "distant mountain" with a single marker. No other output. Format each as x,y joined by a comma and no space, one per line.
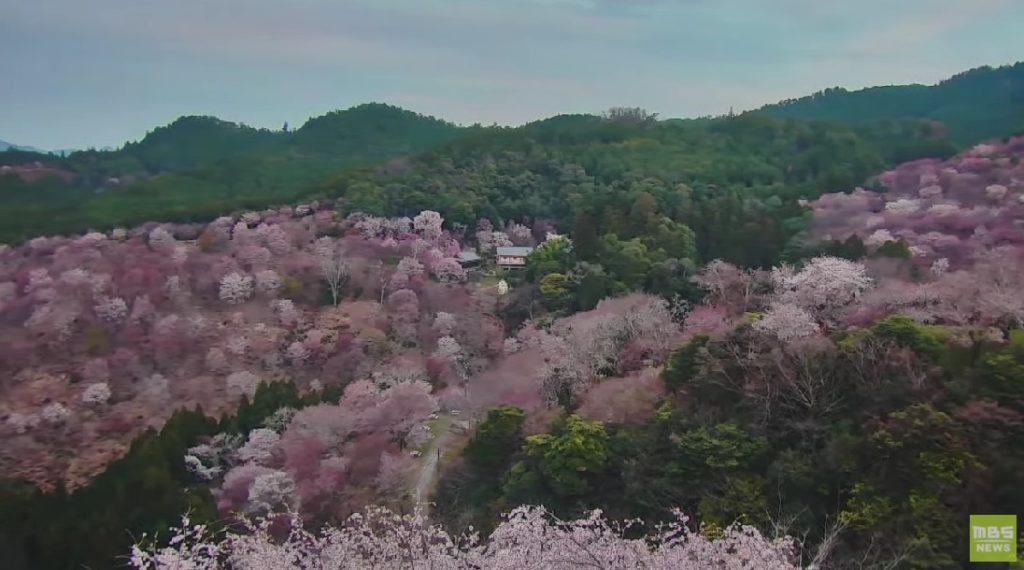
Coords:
201,166
975,105
4,145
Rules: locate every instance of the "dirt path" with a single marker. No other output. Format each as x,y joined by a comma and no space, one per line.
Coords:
427,476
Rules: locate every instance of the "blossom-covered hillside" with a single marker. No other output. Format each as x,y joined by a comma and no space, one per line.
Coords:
103,336
948,209
959,225
866,397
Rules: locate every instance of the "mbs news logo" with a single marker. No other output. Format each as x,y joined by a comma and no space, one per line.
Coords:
993,538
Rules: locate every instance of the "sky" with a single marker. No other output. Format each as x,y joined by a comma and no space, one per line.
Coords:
82,73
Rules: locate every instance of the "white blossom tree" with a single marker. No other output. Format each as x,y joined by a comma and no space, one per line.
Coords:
96,394
260,447
428,224
235,288
274,491
330,259
55,413
787,323
111,309
824,287
444,323
161,240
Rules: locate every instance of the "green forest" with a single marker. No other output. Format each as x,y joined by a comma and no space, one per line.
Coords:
909,464
199,167
974,105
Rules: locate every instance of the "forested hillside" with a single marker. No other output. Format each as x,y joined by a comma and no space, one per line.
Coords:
200,167
768,342
733,181
863,402
974,105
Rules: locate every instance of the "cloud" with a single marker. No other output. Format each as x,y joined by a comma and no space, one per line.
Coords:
105,71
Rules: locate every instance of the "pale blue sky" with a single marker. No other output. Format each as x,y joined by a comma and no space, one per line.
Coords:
79,73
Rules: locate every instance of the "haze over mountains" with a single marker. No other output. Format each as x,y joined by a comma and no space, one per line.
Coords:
4,145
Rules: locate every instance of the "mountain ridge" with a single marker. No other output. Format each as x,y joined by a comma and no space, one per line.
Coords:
199,167
977,104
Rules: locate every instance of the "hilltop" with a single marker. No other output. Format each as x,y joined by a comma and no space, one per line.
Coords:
982,103
198,167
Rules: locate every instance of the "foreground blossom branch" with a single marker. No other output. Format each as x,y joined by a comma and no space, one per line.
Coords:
528,537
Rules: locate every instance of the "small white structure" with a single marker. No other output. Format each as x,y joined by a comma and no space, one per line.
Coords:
512,256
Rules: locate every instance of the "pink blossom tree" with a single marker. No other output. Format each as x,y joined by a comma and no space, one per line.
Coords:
448,270
527,537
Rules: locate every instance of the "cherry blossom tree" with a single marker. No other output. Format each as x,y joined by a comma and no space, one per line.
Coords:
273,491
274,238
268,282
111,309
489,240
242,382
444,323
824,287
21,423
55,413
253,257
96,394
260,448
403,308
235,288
287,313
448,270
161,240
297,353
396,469
787,323
449,349
155,388
728,285
371,226
332,263
428,224
519,234
527,537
